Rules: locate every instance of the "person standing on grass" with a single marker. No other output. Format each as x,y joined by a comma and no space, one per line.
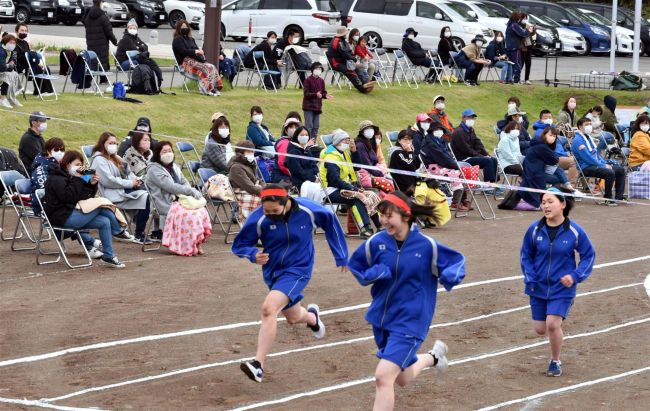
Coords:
551,274
285,228
404,267
312,102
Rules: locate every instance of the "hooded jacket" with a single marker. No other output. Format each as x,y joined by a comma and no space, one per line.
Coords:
509,152
545,262
406,161
242,175
585,151
62,193
414,51
639,148
609,117
301,169
494,50
40,170
98,33
539,127
341,176
290,240
405,281
436,151
129,42
539,156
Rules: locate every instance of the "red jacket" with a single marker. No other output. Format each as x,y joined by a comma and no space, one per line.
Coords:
362,51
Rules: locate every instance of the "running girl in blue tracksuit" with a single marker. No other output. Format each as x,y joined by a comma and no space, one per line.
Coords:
550,273
285,227
404,267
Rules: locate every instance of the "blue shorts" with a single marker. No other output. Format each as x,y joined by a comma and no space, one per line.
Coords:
400,349
290,285
540,308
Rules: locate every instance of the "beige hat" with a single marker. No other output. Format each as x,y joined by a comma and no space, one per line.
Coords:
217,115
512,111
341,31
291,120
365,124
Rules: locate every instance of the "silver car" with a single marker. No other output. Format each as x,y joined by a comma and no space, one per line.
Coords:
116,11
7,10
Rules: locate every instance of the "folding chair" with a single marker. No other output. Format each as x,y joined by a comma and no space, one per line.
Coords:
242,69
385,64
54,232
185,148
392,137
335,207
263,71
130,55
407,70
472,190
154,216
437,66
43,75
69,73
510,179
454,66
23,213
491,70
93,68
290,68
184,75
217,205
444,69
378,75
445,186
586,186
87,151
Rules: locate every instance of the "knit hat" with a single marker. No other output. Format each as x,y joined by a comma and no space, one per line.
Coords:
132,22
338,135
365,124
341,31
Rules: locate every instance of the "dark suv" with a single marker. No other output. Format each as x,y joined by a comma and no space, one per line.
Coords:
69,12
28,11
147,12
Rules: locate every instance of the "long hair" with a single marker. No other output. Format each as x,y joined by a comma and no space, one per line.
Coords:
565,107
101,148
545,133
177,29
69,157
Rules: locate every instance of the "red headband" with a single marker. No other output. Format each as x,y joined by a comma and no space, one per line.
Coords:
274,192
398,202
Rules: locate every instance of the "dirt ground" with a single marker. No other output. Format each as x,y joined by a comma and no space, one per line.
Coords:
216,298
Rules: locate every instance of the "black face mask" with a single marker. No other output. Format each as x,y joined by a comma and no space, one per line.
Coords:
22,36
185,31
274,217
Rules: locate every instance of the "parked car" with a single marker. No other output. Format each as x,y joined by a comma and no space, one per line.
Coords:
69,12
150,13
624,37
625,19
571,41
597,39
117,12
28,11
189,10
7,10
384,22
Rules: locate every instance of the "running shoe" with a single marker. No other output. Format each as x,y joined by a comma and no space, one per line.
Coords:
319,329
610,203
253,369
112,262
98,245
124,237
94,253
141,239
439,353
554,368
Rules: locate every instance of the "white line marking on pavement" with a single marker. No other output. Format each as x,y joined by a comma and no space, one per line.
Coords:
32,403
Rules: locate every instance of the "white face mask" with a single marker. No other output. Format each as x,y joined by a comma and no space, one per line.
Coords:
378,141
355,38
524,21
250,157
11,46
645,127
440,106
368,133
548,121
133,32
438,133
111,149
290,132
411,36
72,170
479,43
470,123
343,147
515,133
273,41
303,140
42,127
224,132
167,158
257,118
447,34
589,129
499,39
58,155
296,40
571,106
520,120
425,125
317,72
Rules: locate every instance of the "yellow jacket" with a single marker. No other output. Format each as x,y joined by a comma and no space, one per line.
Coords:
346,171
639,148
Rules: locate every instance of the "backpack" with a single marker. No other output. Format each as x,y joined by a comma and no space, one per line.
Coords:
143,80
119,91
627,81
9,161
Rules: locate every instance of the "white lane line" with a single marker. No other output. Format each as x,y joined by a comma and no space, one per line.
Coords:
567,389
40,404
454,362
157,337
305,349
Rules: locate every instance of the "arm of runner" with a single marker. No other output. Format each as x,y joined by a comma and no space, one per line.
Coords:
327,220
526,255
587,257
245,244
451,267
364,273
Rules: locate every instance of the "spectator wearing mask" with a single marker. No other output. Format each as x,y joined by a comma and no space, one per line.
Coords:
363,53
314,93
470,59
439,115
366,146
269,49
609,120
567,117
258,132
99,32
246,184
514,102
137,156
22,47
143,124
520,118
445,46
280,171
516,34
593,165
52,154
567,161
303,172
417,55
509,152
640,144
341,58
191,59
422,131
496,53
216,149
137,49
403,157
539,161
10,84
32,143
286,47
603,137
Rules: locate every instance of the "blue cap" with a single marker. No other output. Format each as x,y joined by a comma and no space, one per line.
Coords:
468,113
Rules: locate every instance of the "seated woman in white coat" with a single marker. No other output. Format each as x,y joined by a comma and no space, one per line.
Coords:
183,217
118,184
510,156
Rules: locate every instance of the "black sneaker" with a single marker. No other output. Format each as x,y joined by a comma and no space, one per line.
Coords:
112,262
140,239
253,369
156,236
366,232
124,237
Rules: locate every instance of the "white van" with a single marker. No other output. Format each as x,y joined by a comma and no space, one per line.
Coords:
384,22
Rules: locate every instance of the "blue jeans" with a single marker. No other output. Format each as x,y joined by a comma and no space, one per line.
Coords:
605,138
126,65
487,164
10,177
506,70
101,219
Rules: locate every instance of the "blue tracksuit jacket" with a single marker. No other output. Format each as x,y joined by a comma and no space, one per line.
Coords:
290,244
405,282
544,262
585,152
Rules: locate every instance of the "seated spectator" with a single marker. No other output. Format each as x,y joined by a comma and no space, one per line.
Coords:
64,188
422,130
10,82
12,167
379,138
340,57
246,184
192,59
517,116
603,137
22,47
342,183
403,157
593,165
509,152
184,228
496,53
304,172
32,143
366,146
268,47
280,171
445,46
137,156
470,59
469,148
227,67
143,124
137,49
118,184
514,102
417,55
568,116
289,46
537,164
640,144
258,133
567,161
52,154
369,66
439,115
215,154
645,109
610,122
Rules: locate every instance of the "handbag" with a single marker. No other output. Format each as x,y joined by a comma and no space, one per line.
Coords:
639,185
471,173
218,188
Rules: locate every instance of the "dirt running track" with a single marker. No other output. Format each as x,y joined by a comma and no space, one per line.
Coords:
495,355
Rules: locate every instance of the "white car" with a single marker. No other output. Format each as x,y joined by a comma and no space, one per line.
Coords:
384,22
7,11
572,41
492,18
624,36
189,10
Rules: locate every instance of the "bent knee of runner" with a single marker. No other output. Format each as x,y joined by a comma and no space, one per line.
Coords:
540,327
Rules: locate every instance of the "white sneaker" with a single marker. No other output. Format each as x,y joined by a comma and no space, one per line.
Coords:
94,253
319,329
5,103
109,89
439,352
47,94
112,262
98,244
16,103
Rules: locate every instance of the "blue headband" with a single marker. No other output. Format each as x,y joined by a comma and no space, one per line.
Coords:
558,191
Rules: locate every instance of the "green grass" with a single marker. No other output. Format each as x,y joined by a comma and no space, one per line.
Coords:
187,116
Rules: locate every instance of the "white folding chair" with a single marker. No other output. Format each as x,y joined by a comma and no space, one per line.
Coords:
184,76
93,68
24,214
154,215
490,70
386,66
460,73
42,74
290,68
436,64
510,179
407,71
262,69
229,208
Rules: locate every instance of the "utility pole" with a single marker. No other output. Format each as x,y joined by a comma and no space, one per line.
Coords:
637,36
212,31
612,49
